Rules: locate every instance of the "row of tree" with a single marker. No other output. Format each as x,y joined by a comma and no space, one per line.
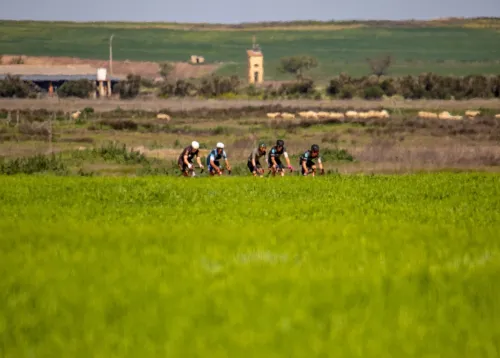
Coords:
427,85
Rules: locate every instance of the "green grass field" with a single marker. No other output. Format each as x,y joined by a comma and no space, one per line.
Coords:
443,50
348,266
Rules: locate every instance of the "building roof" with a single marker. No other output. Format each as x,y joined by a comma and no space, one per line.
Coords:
51,73
252,53
48,70
55,78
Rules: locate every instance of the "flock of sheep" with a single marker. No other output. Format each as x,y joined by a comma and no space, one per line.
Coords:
371,114
349,114
330,115
76,115
447,115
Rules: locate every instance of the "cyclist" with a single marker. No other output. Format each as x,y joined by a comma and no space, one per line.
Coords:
306,161
274,160
254,160
185,160
214,157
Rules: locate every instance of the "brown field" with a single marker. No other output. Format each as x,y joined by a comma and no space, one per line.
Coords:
156,104
120,68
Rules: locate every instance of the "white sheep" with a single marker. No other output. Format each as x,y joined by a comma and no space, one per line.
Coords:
163,116
363,115
273,115
312,115
352,114
472,114
448,116
322,114
427,115
308,115
287,115
336,115
76,115
383,114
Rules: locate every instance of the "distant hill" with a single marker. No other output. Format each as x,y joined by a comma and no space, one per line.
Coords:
473,22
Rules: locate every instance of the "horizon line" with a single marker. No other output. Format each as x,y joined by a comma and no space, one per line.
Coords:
450,18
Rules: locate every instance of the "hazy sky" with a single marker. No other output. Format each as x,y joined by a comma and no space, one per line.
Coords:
235,11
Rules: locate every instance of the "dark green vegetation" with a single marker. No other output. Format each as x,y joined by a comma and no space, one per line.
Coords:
372,266
446,50
425,86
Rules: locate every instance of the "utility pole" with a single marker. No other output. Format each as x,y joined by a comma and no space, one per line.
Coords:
111,55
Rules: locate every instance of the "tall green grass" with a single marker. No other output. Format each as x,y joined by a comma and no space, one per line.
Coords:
372,266
415,50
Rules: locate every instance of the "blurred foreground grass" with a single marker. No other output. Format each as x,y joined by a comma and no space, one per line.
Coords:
372,266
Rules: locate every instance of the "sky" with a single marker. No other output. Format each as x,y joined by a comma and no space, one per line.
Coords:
237,11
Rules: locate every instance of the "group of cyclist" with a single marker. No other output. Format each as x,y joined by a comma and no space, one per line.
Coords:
273,158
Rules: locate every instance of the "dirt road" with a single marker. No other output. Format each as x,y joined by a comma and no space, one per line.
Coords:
103,105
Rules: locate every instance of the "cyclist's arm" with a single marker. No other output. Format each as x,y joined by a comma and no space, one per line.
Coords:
304,166
186,160
213,164
285,154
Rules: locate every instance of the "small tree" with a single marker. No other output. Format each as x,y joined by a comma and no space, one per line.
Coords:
297,65
380,66
334,87
166,69
130,87
17,61
13,86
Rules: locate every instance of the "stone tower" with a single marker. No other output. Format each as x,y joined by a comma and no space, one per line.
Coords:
255,64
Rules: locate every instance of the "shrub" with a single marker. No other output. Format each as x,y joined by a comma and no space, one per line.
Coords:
79,88
147,83
32,165
113,152
33,130
13,86
120,124
253,91
88,111
300,88
347,92
334,87
387,85
17,61
373,92
213,86
128,88
336,154
181,88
